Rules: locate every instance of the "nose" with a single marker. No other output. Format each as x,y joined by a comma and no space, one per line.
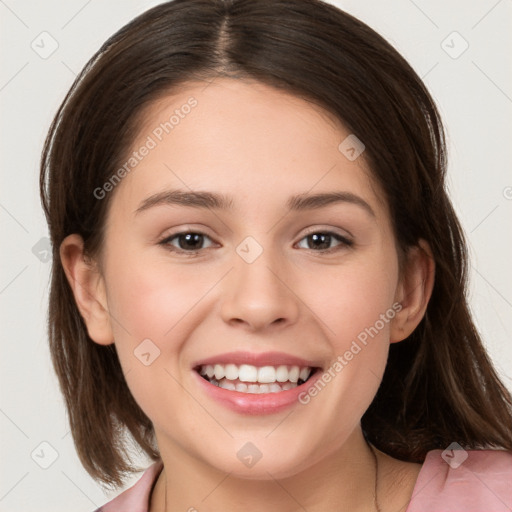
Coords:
258,295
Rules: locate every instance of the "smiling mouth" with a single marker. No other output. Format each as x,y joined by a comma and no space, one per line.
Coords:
251,379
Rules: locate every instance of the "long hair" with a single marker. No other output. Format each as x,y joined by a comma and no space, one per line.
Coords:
439,385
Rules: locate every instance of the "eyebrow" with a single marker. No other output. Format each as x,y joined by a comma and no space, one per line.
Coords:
207,200
315,201
210,200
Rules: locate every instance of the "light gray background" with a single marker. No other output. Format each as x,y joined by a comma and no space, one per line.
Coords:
473,92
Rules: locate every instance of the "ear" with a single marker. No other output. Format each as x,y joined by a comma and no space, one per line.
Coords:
88,288
413,291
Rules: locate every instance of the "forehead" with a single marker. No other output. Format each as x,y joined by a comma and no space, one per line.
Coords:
244,139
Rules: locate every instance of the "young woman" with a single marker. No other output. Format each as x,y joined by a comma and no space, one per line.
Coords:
258,275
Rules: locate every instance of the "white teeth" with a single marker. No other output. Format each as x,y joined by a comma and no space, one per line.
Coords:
282,374
255,389
304,373
275,388
250,373
293,374
219,372
267,374
231,372
226,385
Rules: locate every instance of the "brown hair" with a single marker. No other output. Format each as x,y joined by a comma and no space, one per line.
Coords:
439,385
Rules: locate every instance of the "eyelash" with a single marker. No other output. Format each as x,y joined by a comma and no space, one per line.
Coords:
344,242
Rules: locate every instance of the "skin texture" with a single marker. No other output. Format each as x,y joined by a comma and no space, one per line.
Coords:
259,146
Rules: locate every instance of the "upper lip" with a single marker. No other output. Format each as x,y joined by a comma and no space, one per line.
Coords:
257,359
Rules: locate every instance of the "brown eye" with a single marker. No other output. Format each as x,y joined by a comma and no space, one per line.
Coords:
319,241
324,241
187,241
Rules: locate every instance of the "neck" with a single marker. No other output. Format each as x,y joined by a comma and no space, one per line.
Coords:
342,480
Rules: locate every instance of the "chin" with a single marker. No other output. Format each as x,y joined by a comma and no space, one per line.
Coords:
265,468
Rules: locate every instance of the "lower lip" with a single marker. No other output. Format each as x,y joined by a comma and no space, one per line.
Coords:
256,404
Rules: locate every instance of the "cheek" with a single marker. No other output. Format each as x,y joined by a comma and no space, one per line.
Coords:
354,305
153,313
348,304
351,299
149,299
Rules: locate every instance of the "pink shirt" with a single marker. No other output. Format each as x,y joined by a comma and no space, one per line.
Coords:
481,483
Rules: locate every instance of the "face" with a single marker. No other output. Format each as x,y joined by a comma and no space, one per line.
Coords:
278,243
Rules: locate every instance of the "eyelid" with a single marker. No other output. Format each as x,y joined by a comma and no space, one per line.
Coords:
345,234
344,241
184,229
181,233
165,241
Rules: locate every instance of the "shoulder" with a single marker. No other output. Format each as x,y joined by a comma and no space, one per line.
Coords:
136,498
464,480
